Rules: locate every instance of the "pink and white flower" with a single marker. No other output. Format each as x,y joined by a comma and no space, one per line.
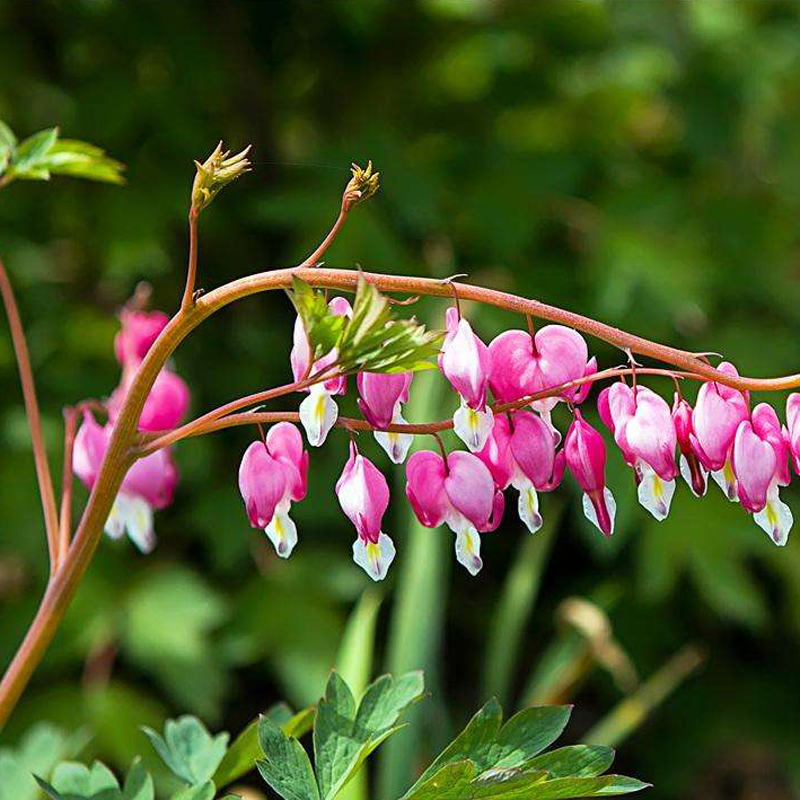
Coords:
760,464
524,457
585,452
460,493
272,475
318,412
643,429
717,414
165,407
148,485
466,362
691,469
364,496
381,396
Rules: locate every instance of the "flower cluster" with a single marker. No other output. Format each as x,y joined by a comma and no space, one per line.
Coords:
150,483
746,452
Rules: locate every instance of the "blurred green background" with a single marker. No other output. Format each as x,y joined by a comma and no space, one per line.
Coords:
633,161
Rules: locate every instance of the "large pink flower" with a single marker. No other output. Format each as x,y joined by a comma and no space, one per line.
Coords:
460,493
381,396
364,496
272,474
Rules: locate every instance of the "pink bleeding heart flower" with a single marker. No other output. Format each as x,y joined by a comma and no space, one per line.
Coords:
643,429
165,407
524,457
522,366
585,453
318,412
717,414
691,469
364,496
381,398
466,362
793,428
148,485
139,330
760,465
272,475
580,393
461,493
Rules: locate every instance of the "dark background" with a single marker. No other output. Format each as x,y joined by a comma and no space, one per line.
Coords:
634,161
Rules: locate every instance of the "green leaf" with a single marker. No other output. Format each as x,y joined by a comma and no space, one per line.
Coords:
246,750
323,328
82,160
28,159
488,746
604,786
201,791
188,749
7,138
344,737
574,761
138,783
72,781
286,766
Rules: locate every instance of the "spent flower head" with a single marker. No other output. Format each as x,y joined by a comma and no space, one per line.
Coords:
218,170
362,186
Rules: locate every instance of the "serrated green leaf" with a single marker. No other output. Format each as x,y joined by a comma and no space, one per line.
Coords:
574,761
323,328
138,783
246,750
27,161
286,766
188,749
452,782
604,786
488,746
344,736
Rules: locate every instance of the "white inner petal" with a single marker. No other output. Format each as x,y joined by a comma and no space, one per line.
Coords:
473,427
591,514
374,558
396,445
686,473
468,548
318,413
654,493
133,515
529,507
282,532
775,518
726,480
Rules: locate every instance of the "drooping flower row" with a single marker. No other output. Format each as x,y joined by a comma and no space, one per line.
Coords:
747,452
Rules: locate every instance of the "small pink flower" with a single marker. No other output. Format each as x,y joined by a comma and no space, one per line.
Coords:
460,493
139,330
272,475
691,469
793,431
760,465
364,496
149,484
165,407
585,453
380,401
318,412
560,356
645,433
466,362
717,414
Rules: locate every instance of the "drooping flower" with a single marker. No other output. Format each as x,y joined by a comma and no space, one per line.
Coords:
380,401
525,458
691,469
466,362
364,495
148,485
138,332
760,464
272,475
165,407
717,414
793,428
522,366
585,452
318,412
645,433
460,493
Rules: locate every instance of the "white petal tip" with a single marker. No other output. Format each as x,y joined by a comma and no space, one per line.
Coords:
282,532
374,558
473,427
656,494
396,445
318,414
529,508
468,550
775,519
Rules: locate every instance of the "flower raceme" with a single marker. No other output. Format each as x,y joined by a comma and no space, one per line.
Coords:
272,475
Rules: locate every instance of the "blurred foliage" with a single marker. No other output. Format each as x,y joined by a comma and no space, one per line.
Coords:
634,161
